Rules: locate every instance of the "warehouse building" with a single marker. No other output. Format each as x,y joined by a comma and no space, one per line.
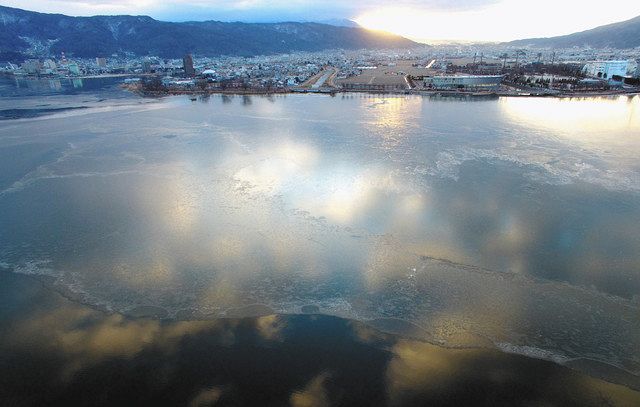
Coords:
462,82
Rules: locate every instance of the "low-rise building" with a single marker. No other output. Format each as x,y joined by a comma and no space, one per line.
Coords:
31,66
466,82
74,69
607,69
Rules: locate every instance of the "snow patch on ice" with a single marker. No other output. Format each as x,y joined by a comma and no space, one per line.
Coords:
532,352
556,172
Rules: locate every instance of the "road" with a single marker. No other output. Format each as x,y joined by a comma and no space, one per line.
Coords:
324,78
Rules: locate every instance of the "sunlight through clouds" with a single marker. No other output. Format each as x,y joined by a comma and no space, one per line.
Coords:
503,21
467,20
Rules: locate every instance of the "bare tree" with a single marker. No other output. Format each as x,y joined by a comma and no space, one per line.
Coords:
153,84
202,84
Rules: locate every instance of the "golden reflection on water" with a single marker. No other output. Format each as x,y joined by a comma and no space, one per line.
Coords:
286,220
345,195
270,327
417,366
421,368
87,337
594,120
273,167
314,394
207,397
234,224
80,340
386,117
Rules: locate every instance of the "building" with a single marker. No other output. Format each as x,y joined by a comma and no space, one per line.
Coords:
146,66
209,73
187,64
74,69
49,64
48,67
101,62
462,82
31,66
607,69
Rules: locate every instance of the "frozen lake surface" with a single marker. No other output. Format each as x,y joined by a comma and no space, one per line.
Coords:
510,222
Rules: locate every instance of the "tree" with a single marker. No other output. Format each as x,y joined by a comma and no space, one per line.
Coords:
202,84
153,84
519,53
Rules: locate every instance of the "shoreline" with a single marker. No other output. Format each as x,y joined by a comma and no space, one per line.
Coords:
50,77
530,93
334,92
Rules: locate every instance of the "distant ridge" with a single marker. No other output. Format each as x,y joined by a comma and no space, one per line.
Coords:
339,22
622,35
26,33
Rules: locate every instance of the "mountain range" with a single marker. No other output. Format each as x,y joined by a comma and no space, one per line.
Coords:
25,33
625,34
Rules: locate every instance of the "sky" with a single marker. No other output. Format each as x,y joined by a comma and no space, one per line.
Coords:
421,20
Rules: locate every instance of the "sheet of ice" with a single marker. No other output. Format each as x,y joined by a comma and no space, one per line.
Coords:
456,218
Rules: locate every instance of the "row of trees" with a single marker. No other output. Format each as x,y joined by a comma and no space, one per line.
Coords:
154,84
566,82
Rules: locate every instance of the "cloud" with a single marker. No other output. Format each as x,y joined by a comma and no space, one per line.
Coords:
314,394
485,20
496,21
207,397
244,10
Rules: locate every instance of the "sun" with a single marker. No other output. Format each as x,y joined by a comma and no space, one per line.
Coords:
421,24
503,20
396,20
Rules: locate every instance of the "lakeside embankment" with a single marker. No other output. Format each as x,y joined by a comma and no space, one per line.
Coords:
263,91
137,89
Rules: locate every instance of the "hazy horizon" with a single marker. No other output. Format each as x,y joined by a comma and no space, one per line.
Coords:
432,20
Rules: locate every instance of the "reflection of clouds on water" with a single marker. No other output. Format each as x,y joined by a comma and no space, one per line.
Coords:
594,120
553,170
417,366
274,169
300,360
314,394
530,233
87,337
391,210
421,373
207,397
270,327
